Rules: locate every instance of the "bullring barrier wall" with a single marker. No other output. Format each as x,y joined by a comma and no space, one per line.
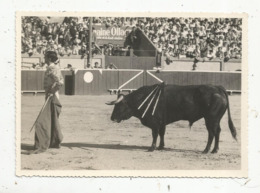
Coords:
32,81
230,80
98,82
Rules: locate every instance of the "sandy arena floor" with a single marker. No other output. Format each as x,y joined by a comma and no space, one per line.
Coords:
92,141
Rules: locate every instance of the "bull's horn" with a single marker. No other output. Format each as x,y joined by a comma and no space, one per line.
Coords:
110,103
120,98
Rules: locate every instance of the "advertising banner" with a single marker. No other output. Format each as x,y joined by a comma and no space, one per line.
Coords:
114,35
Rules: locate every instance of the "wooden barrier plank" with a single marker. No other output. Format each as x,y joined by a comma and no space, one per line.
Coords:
199,80
177,79
144,63
151,80
95,83
24,80
80,81
122,62
219,79
32,80
124,76
183,77
100,89
103,81
167,77
40,79
76,83
235,81
203,78
112,81
93,86
207,78
150,62
87,87
225,82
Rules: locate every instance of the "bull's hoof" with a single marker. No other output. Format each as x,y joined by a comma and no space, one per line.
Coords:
214,151
160,148
151,149
205,151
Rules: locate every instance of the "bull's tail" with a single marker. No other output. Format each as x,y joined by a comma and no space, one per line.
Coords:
230,122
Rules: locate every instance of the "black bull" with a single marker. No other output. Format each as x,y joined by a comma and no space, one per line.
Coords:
176,103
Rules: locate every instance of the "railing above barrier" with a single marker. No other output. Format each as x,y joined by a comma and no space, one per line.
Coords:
204,65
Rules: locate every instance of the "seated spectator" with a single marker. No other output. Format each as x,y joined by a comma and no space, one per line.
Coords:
109,50
238,54
83,51
83,35
68,51
97,65
232,54
220,53
116,51
75,50
69,67
190,50
60,50
111,66
183,51
226,56
210,54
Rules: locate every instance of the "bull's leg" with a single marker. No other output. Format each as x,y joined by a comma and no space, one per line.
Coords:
161,133
214,115
212,128
210,139
155,136
216,147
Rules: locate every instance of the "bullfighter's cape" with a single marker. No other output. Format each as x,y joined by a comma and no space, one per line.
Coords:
47,128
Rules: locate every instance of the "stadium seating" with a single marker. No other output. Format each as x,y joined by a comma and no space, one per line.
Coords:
174,37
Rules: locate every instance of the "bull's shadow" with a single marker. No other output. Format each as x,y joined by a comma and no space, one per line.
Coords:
104,146
29,147
121,147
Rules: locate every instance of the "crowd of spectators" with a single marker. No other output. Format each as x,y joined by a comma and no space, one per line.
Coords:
69,37
174,37
205,38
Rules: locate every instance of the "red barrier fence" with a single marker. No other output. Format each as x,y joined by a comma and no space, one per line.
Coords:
97,82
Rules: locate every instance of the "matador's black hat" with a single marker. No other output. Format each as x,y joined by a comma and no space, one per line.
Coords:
52,56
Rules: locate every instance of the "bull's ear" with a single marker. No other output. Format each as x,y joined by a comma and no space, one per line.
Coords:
119,95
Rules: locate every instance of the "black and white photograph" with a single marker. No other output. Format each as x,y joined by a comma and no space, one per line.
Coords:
128,94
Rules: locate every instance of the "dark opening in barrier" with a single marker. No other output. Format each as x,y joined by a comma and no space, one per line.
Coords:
69,84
